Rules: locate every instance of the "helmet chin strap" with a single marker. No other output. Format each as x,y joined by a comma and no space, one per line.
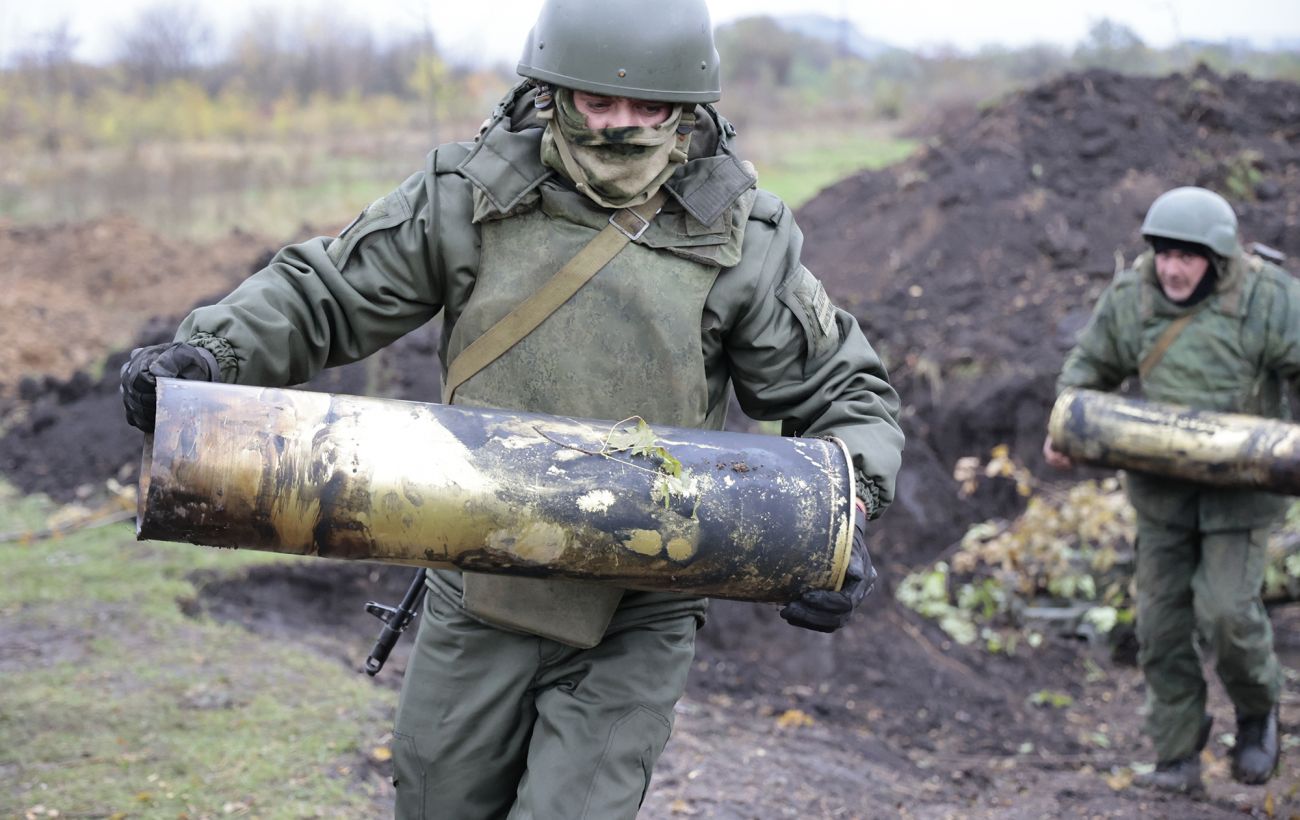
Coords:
545,99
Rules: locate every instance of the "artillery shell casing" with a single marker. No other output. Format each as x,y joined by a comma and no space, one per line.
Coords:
754,517
1201,446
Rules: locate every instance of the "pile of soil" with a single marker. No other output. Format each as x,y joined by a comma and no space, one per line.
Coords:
970,266
70,294
78,298
973,264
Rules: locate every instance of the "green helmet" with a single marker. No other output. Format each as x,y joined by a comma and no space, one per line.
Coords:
1194,215
659,51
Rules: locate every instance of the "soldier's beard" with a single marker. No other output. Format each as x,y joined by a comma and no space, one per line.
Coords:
614,167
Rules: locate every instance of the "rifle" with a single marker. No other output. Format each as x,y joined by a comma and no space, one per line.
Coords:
395,619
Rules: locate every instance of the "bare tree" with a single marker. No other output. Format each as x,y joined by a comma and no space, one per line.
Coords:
258,55
49,61
1114,45
425,77
164,42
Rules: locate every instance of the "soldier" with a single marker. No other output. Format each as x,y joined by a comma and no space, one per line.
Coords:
548,698
1205,325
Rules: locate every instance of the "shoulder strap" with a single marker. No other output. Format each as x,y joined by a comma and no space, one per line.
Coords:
625,225
1166,339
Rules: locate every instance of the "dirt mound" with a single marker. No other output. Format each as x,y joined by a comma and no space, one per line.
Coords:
973,264
971,253
65,437
72,293
81,297
75,298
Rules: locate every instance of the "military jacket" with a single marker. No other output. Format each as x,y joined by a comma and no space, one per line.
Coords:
1236,354
767,325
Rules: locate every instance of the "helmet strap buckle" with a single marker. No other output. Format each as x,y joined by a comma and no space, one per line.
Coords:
545,98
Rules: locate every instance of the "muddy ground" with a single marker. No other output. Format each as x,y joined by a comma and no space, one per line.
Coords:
970,265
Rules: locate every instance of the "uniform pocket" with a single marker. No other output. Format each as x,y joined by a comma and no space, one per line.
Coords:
635,742
408,777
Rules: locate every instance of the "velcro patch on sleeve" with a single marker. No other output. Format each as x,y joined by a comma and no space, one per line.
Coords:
804,294
384,212
824,310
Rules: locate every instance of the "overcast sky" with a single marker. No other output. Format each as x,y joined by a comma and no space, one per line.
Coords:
496,28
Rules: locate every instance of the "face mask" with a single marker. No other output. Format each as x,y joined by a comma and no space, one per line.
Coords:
614,167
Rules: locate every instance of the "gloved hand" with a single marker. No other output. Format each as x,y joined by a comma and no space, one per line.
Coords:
826,611
141,372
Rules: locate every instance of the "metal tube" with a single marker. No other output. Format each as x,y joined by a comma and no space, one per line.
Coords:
752,517
1205,447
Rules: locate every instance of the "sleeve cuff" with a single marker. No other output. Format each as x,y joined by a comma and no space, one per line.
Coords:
221,350
869,494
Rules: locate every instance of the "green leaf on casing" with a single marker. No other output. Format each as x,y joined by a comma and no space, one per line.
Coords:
639,440
672,480
669,464
668,486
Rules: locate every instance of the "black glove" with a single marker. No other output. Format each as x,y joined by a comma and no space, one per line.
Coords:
826,611
141,372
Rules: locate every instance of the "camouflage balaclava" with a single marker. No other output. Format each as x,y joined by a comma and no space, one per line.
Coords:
614,167
1209,282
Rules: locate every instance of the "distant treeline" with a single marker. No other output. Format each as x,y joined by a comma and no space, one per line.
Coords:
284,74
775,67
287,75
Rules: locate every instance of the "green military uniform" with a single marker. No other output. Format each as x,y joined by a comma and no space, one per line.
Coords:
1201,550
498,717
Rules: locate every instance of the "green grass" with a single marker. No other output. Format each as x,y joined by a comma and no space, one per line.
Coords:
283,210
796,165
205,190
116,704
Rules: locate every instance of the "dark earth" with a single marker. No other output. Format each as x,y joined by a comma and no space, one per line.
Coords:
970,266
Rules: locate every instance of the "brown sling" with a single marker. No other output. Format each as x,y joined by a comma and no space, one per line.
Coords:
1166,339
625,225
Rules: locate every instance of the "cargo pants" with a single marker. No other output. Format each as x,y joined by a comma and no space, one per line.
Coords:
1191,582
497,724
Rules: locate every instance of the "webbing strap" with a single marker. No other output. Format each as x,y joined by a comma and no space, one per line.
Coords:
1162,344
625,225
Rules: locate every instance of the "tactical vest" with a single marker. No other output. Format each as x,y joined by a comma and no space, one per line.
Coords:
628,343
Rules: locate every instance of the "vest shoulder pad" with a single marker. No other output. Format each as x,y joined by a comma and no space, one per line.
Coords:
1274,276
447,158
1127,278
1268,267
768,207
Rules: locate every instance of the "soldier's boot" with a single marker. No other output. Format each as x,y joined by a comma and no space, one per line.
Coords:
1255,755
1183,775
